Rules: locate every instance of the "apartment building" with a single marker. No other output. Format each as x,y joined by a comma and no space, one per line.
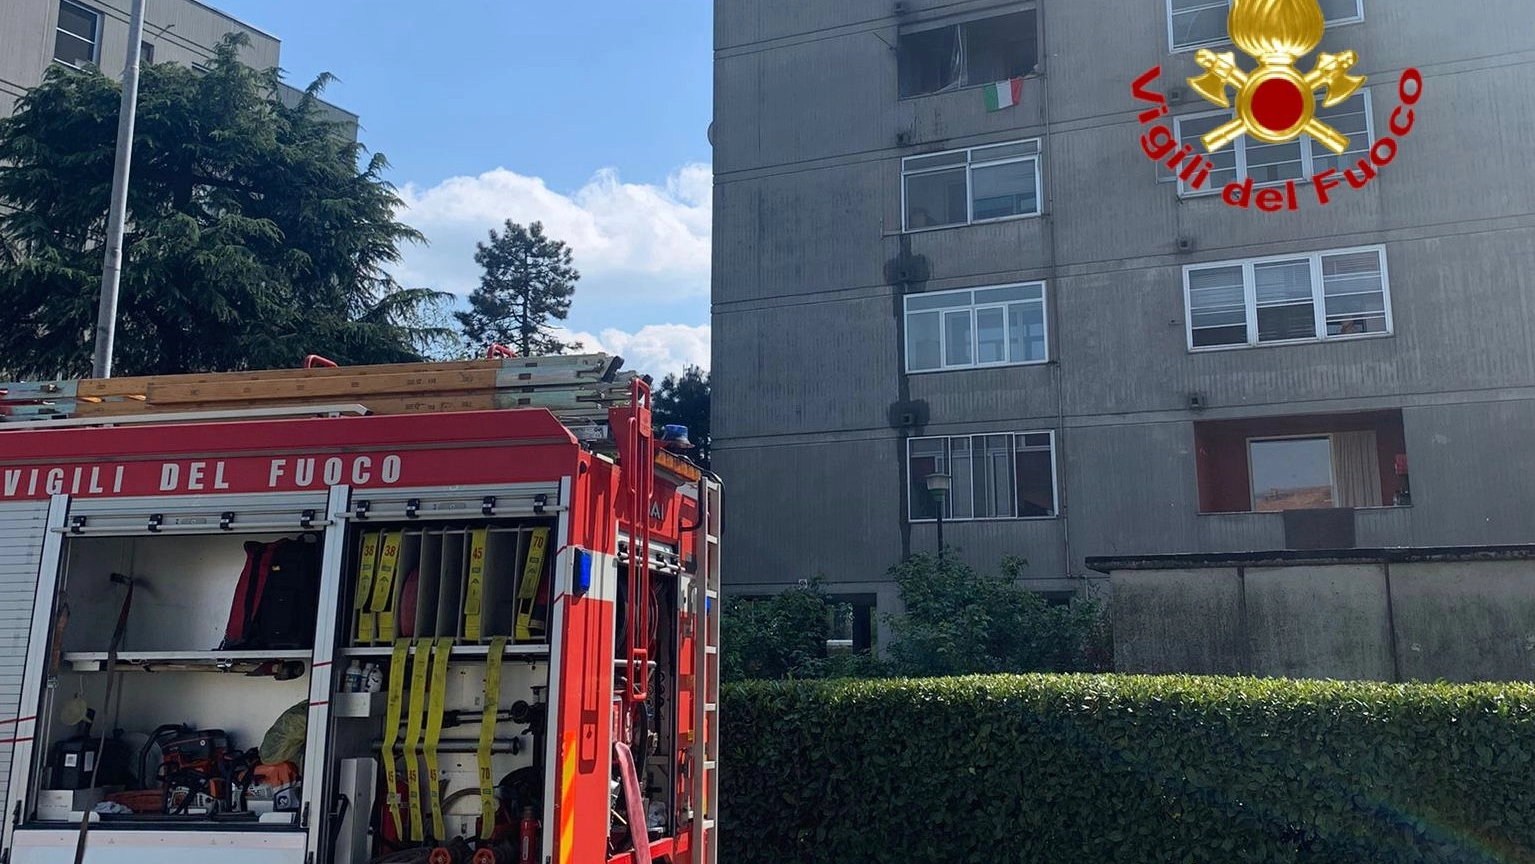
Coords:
913,278
37,33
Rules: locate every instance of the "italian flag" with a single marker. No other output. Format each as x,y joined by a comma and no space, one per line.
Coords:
1003,94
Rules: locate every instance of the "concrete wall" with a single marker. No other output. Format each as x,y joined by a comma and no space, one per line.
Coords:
807,315
1457,620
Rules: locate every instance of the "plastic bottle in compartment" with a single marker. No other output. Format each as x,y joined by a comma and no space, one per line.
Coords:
351,682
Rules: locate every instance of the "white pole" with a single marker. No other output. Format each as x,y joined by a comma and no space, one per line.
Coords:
112,269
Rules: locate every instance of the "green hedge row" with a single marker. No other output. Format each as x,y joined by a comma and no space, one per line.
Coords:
1089,769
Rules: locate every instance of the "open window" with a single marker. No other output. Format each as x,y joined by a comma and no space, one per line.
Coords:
935,58
1302,463
78,35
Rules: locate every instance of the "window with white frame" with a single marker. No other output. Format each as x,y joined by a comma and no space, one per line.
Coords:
1196,23
1269,164
1001,326
77,35
935,58
980,184
997,476
1290,298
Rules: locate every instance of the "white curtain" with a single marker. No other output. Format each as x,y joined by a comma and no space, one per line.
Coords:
1356,461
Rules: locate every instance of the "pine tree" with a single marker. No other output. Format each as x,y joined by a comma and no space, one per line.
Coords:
684,400
527,285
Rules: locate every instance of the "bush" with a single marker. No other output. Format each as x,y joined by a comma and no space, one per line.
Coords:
956,622
1077,769
778,637
961,622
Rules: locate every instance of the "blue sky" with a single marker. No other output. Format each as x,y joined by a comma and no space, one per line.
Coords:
590,116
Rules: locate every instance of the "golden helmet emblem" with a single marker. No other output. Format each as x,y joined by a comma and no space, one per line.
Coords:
1276,103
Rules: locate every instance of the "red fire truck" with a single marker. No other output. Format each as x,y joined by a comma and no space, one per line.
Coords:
449,612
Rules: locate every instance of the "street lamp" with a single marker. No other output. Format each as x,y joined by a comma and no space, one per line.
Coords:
938,487
117,210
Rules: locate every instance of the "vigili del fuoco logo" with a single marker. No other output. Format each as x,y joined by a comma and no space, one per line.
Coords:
1276,103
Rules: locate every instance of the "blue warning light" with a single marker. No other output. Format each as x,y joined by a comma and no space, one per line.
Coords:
583,572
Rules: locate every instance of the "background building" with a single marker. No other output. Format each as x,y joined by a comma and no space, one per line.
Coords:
907,283
36,33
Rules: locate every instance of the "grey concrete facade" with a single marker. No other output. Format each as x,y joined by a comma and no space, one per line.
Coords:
179,31
812,268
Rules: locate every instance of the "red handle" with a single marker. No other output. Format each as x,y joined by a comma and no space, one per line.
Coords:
500,352
314,360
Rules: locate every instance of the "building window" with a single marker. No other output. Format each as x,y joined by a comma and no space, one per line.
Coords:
79,31
1005,476
967,54
1288,298
1271,464
146,53
1195,23
1292,474
1272,164
960,187
1002,326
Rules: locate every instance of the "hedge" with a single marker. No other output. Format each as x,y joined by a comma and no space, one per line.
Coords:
1087,769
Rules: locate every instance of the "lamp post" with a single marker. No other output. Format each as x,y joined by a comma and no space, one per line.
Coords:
117,212
938,488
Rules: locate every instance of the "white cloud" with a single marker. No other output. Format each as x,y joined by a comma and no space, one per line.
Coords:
634,244
655,349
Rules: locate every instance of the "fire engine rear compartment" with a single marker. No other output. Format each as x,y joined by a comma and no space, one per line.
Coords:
170,668
481,590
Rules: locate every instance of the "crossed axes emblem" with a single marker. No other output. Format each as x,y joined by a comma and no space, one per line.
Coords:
1276,103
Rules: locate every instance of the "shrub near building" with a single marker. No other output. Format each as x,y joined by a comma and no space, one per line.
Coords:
1075,769
956,621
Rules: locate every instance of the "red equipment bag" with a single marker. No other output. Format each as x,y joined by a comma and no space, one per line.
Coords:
406,625
277,596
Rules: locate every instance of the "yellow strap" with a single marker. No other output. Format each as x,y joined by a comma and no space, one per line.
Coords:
474,592
529,629
395,702
441,650
488,735
383,586
366,565
420,663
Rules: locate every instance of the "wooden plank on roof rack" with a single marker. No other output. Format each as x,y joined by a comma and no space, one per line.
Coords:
597,366
171,392
390,404
564,404
141,385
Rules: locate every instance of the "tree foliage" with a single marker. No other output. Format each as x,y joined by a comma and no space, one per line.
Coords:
785,636
958,621
527,285
778,637
253,236
684,400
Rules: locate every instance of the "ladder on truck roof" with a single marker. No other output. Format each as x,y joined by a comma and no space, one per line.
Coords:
578,389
